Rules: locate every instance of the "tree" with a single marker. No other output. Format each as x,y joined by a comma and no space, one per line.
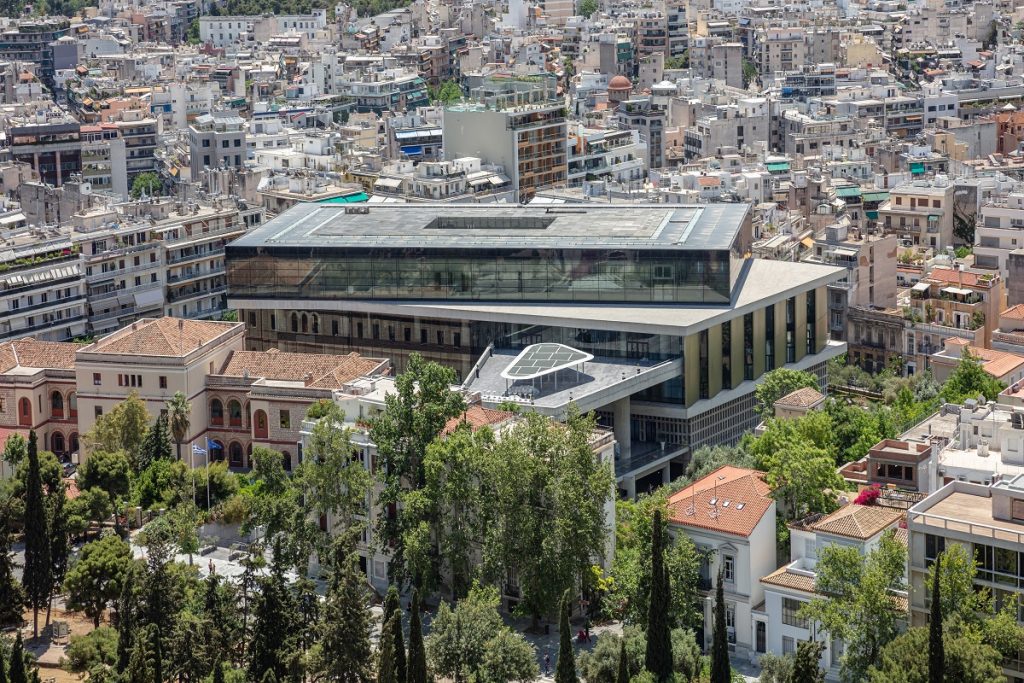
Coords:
148,184
157,444
393,608
859,607
659,644
106,470
447,93
707,459
687,660
95,651
343,653
806,665
936,654
275,624
18,671
776,668
122,429
15,450
129,615
603,663
386,669
57,524
803,479
565,667
967,659
414,414
969,380
587,8
416,671
37,576
91,505
622,674
145,665
721,671
12,595
508,657
192,38
179,413
97,577
778,383
547,508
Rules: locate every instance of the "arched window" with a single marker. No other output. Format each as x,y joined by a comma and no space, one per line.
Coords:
235,454
305,323
73,442
216,413
57,443
25,412
234,414
259,424
72,404
295,322
316,323
57,405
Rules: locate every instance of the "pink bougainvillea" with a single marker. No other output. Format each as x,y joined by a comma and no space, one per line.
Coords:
869,495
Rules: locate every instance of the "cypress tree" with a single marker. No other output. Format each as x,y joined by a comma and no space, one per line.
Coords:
720,669
58,530
157,443
565,667
37,574
267,647
18,673
401,661
416,671
218,672
936,649
623,675
386,655
345,652
659,641
128,620
12,596
391,603
3,671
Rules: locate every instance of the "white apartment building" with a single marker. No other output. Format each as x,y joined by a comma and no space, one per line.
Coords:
778,626
999,231
730,516
41,292
989,522
616,155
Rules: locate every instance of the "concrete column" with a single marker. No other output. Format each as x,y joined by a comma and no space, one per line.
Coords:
666,475
630,483
60,176
622,429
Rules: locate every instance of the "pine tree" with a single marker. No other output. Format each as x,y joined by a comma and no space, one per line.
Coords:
416,671
58,529
936,648
623,675
18,674
386,654
274,627
659,642
807,663
720,669
37,574
12,596
344,650
565,667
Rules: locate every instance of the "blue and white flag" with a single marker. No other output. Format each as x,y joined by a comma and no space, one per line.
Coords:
196,450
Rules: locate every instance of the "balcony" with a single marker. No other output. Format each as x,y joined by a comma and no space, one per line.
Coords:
193,293
194,256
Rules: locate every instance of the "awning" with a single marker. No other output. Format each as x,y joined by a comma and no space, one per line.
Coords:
916,167
807,242
956,291
875,196
873,215
778,167
150,297
388,182
920,287
347,199
848,191
412,150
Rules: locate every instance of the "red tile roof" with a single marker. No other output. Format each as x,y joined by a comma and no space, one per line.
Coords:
477,416
319,370
964,278
703,504
162,337
32,353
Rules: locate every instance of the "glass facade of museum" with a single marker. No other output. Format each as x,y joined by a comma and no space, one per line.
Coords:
484,274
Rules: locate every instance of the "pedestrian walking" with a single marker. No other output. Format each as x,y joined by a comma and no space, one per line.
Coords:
547,663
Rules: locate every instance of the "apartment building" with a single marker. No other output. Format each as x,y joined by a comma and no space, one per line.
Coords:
718,59
458,180
730,516
988,521
50,143
605,154
1000,230
516,124
920,211
949,303
216,140
780,49
41,291
139,134
741,126
34,40
650,119
105,159
391,90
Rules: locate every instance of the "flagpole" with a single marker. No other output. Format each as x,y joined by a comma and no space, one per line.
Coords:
192,463
207,474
